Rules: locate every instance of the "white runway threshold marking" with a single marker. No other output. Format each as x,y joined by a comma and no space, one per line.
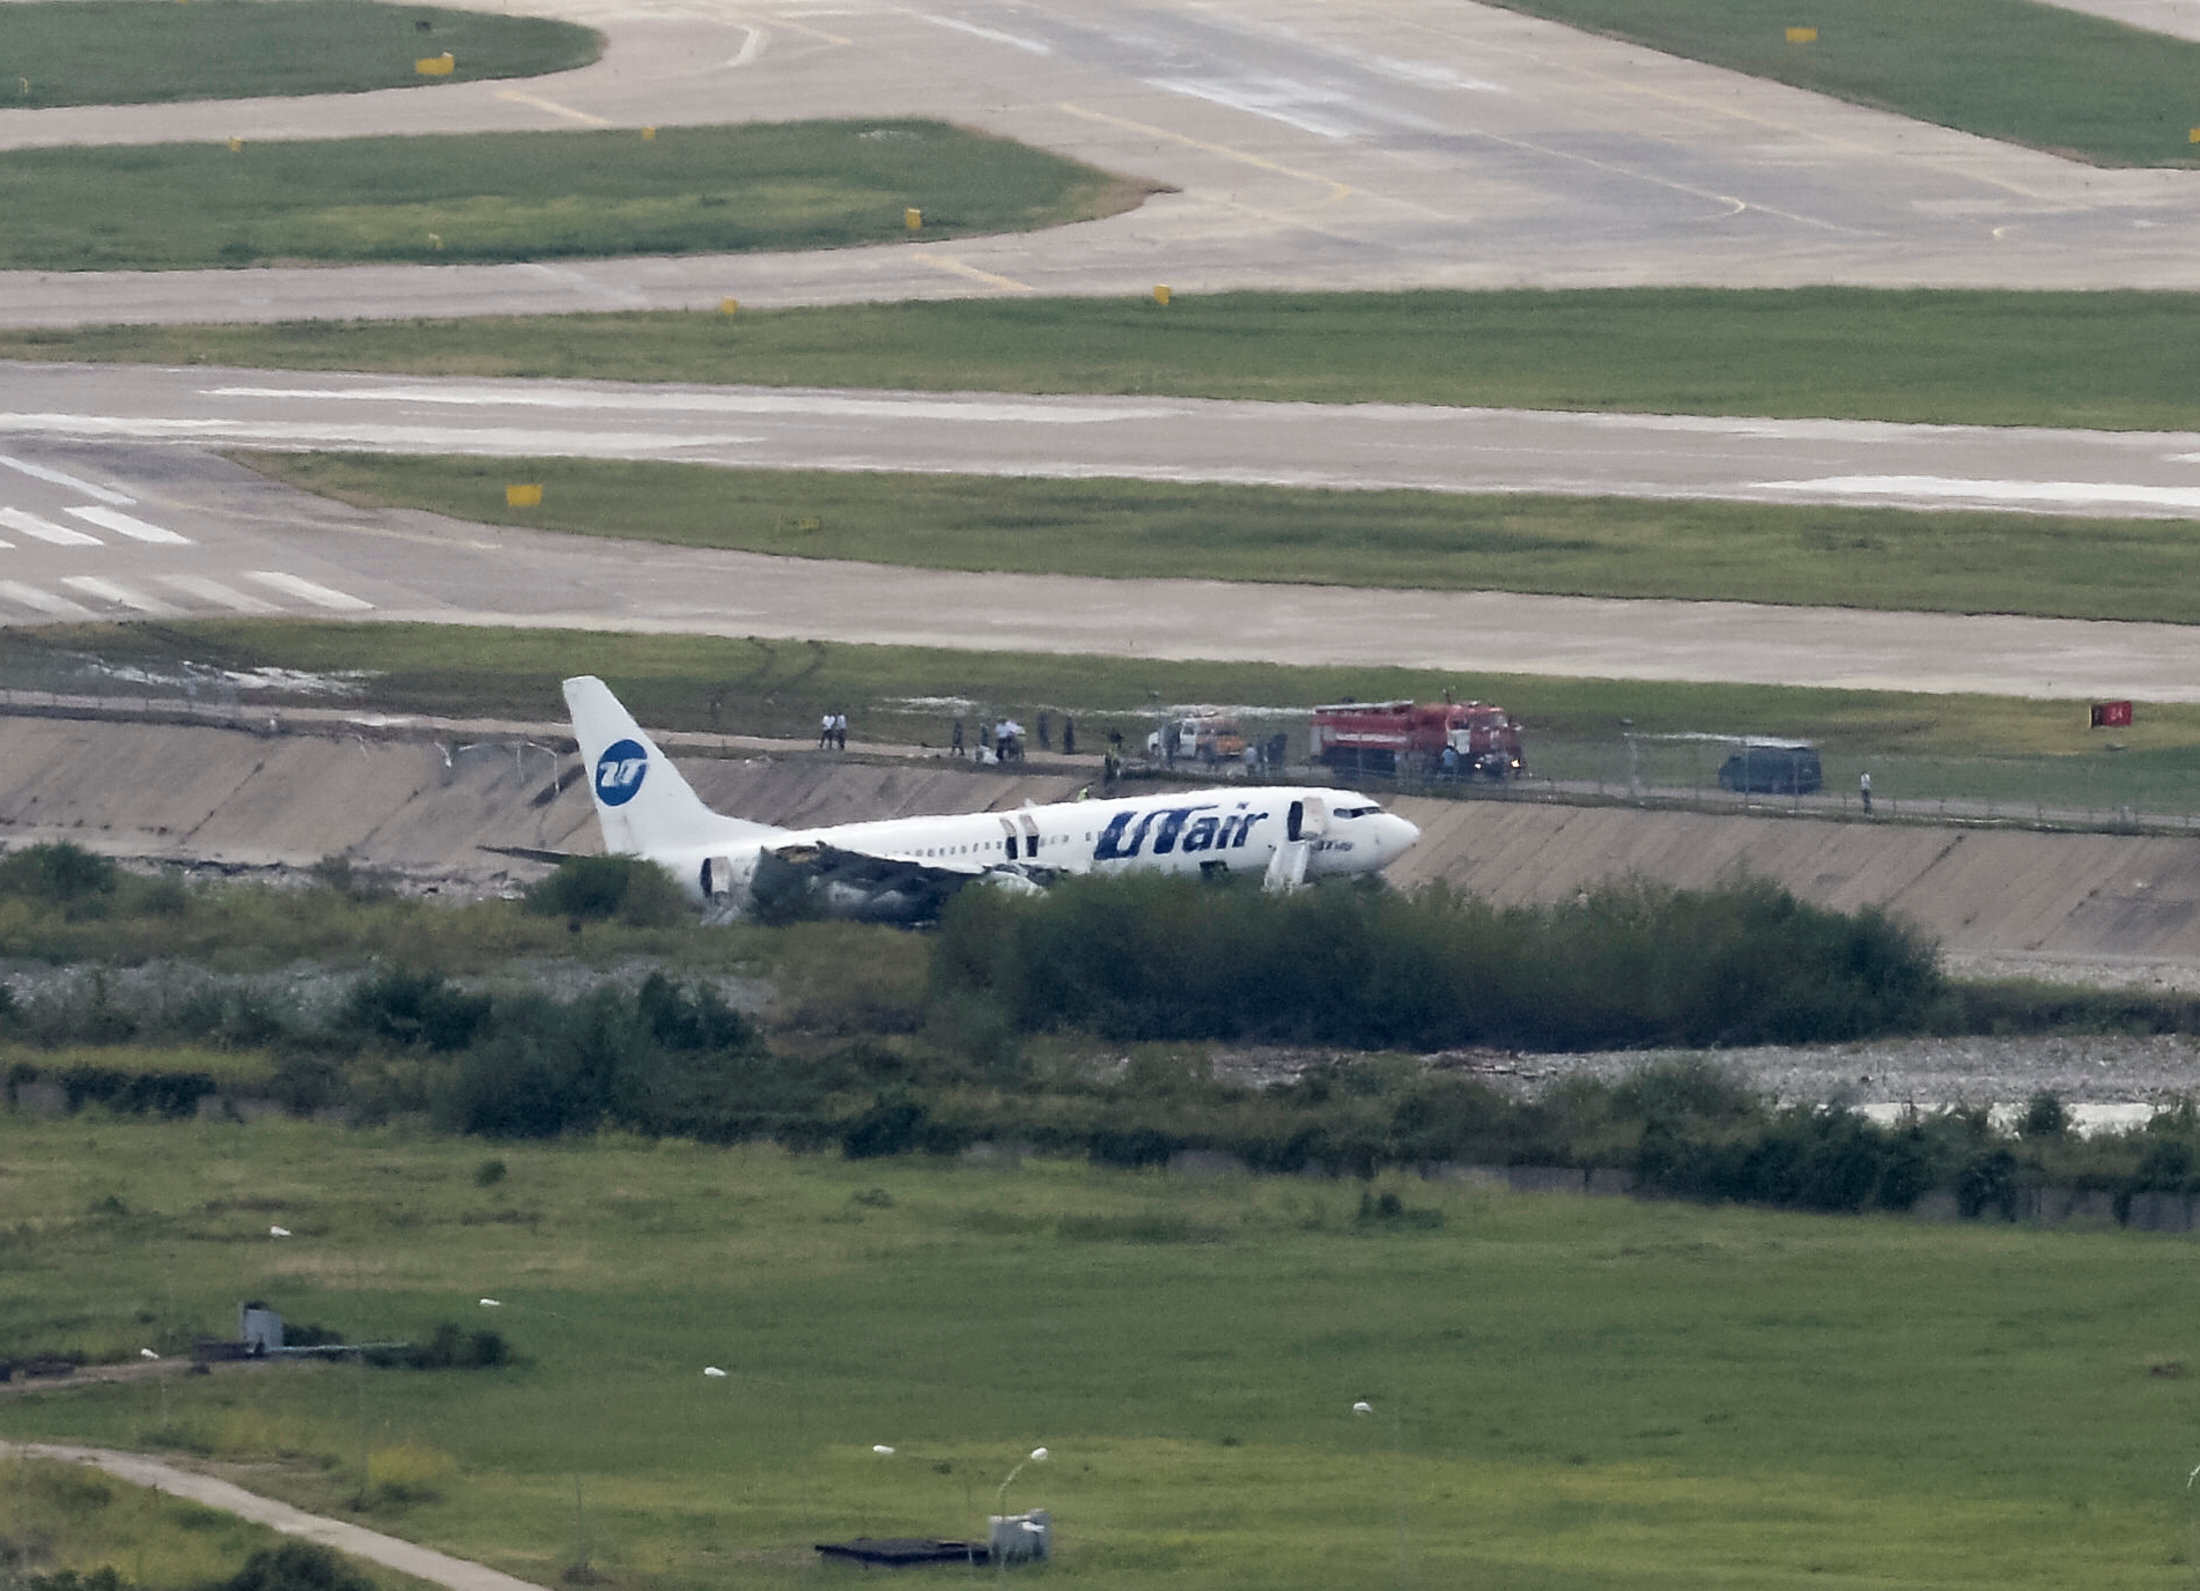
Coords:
129,525
220,595
31,525
307,591
43,601
53,477
2061,494
120,595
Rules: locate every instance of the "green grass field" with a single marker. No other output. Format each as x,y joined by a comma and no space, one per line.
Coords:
1587,1393
1592,546
134,52
2078,86
2112,361
521,196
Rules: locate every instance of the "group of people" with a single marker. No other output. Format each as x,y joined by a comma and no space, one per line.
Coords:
1005,742
832,732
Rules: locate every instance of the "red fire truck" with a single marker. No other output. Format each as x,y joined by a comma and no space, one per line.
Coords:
1417,740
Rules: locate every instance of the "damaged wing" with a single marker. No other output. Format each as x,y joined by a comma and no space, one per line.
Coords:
815,878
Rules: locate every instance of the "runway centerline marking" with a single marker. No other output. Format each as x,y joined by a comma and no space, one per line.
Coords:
130,525
54,477
913,407
586,118
2059,493
46,530
310,591
990,35
1337,190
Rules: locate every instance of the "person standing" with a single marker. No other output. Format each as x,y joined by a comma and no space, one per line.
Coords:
1046,737
955,747
1864,789
824,731
1069,737
840,731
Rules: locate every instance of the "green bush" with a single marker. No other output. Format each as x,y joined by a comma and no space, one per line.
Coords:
297,1566
1635,965
60,875
595,889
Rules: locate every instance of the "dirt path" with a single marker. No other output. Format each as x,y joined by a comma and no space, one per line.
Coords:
422,1563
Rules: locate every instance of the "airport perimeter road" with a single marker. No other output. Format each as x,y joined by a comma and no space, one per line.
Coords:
175,532
1363,144
1163,439
422,1563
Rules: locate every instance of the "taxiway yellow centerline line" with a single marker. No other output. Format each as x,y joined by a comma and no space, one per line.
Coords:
1337,190
954,267
588,118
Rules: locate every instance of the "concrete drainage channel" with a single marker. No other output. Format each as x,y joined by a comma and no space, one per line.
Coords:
423,800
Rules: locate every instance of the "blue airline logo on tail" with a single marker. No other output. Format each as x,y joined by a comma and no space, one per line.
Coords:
619,772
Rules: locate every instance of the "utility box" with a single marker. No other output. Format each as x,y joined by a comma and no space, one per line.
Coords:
1022,1538
260,1329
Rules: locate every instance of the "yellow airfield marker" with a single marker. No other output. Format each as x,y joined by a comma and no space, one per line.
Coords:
235,144
649,132
2196,135
437,239
913,220
727,306
1160,295
529,496
435,65
1802,35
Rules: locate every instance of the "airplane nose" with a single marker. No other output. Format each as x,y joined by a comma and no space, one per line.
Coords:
1398,833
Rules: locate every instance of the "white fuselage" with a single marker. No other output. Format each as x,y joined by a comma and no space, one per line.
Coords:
1234,830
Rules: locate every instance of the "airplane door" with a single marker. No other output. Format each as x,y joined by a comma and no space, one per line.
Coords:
1304,820
1008,829
717,877
1293,818
1031,836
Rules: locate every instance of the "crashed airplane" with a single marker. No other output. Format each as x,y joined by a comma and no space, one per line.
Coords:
903,870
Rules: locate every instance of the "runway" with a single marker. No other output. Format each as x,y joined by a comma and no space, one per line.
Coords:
1347,447
1368,144
244,546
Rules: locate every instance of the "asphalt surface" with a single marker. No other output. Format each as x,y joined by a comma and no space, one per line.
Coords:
1365,144
238,544
1322,145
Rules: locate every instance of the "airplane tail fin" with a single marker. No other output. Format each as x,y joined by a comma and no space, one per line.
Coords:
643,804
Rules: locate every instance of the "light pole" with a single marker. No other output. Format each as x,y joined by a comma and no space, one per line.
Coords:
1038,1455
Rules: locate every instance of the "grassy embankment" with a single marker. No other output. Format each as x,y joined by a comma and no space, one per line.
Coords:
1920,747
1591,1394
2050,566
521,196
136,52
2115,361
2083,87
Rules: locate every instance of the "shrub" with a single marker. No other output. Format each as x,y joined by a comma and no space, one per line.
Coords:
594,889
1145,957
415,1010
58,874
298,1566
